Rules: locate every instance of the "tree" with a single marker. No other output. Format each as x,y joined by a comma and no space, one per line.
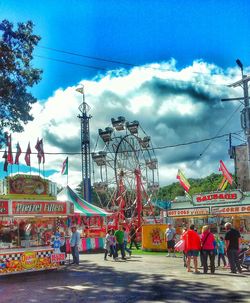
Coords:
207,184
16,75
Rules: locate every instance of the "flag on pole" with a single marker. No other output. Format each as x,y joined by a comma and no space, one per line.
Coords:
225,172
80,90
224,185
9,156
5,156
18,153
183,180
65,167
37,147
40,151
27,155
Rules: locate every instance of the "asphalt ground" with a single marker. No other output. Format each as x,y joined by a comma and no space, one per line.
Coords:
141,278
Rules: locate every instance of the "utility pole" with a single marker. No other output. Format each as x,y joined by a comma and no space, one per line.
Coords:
84,108
245,113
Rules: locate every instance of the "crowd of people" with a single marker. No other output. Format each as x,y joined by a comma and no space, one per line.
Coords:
208,246
117,240
196,247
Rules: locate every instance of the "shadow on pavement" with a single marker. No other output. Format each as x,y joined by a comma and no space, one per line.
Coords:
89,282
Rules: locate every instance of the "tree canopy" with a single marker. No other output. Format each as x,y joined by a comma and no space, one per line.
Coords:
166,193
16,75
207,184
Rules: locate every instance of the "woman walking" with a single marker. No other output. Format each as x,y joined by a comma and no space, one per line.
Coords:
207,249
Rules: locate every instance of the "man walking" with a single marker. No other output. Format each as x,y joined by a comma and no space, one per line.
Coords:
132,235
119,236
170,238
74,243
232,239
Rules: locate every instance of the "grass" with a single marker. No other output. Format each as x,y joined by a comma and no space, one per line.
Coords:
152,253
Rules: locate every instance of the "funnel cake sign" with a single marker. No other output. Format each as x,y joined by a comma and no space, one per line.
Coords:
39,208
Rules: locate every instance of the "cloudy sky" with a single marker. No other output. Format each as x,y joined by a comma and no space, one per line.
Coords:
162,63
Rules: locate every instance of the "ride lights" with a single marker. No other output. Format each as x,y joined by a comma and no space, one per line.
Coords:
152,163
144,142
99,158
133,127
119,123
100,186
106,134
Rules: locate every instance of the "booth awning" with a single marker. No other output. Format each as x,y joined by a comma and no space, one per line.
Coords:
81,206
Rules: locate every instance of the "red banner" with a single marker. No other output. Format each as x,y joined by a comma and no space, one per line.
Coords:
4,208
39,208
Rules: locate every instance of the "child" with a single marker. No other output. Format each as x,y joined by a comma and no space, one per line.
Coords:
221,252
107,244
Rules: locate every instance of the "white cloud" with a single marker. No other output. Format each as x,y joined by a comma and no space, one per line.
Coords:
173,106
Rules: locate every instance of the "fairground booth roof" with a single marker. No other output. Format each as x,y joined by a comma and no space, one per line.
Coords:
81,206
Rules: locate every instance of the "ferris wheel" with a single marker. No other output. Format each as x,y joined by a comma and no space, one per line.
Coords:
125,170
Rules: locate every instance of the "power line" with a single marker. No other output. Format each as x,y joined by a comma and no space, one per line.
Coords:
155,148
72,63
109,60
208,145
88,57
172,80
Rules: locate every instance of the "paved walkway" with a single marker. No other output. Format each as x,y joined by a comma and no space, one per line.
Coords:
140,279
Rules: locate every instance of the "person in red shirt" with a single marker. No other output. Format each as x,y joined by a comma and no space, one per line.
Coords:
192,247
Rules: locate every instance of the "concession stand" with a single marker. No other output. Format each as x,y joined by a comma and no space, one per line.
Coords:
90,220
31,219
215,209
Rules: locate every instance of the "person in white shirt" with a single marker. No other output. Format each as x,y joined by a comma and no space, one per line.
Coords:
170,239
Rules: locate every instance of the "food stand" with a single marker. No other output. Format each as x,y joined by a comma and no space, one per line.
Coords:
215,209
91,221
30,219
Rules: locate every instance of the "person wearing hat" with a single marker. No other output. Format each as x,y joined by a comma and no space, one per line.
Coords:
74,243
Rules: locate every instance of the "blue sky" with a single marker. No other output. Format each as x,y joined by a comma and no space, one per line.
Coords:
137,32
183,54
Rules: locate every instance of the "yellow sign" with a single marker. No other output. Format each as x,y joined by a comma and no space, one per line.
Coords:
153,237
29,259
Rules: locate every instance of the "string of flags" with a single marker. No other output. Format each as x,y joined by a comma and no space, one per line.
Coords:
8,154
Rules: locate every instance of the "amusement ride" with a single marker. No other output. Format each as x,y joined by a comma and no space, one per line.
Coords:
125,172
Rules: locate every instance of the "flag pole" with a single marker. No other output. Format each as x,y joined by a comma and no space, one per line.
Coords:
68,173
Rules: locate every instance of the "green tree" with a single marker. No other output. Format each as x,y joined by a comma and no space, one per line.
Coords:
16,75
207,184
